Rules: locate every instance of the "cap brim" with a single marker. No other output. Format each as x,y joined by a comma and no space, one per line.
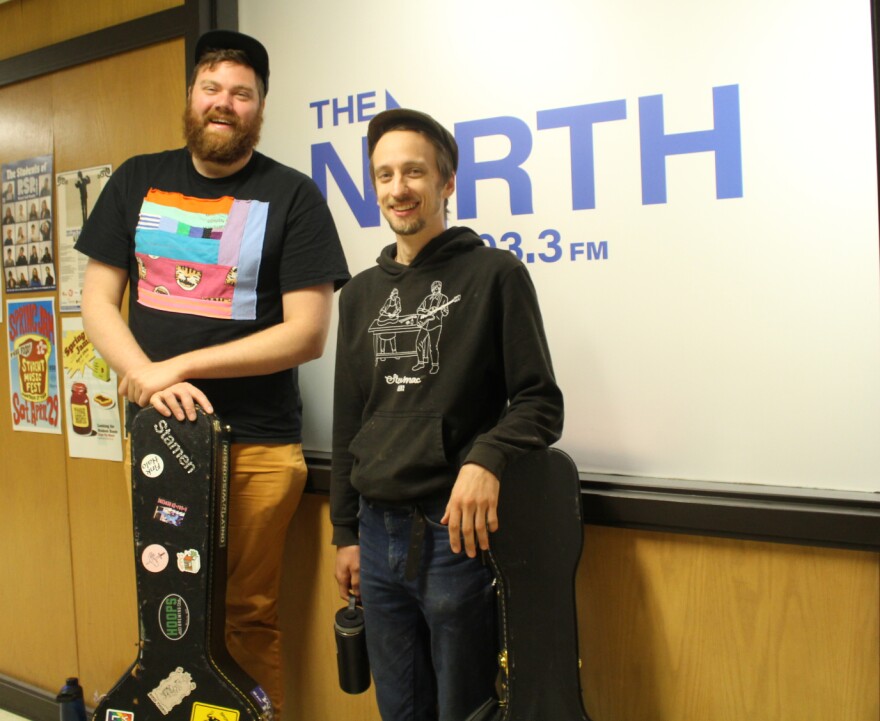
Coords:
381,123
232,40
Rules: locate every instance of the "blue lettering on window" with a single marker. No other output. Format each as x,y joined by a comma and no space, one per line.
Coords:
597,251
345,107
508,169
326,160
724,140
366,102
319,106
580,119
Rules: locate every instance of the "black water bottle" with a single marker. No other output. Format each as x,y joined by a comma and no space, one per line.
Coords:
70,701
351,648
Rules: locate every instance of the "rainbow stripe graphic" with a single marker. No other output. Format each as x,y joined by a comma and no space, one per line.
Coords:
200,257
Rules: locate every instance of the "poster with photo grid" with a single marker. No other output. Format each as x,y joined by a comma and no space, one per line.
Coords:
27,225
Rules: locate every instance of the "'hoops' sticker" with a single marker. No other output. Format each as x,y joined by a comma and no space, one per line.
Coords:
173,617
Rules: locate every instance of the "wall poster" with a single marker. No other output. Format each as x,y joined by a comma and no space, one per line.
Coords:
77,192
28,258
92,415
33,365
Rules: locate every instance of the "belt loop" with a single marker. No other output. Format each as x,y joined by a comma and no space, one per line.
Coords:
416,539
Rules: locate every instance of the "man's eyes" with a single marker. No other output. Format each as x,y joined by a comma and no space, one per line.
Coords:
411,172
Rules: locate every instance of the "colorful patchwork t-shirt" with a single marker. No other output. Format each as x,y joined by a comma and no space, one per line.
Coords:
208,262
200,256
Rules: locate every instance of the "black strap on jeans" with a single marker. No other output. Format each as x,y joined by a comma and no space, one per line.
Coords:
416,540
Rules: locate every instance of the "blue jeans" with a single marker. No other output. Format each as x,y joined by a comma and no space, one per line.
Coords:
432,640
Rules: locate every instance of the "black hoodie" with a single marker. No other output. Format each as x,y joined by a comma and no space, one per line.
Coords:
411,407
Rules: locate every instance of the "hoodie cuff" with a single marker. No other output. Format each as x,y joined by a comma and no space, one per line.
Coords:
345,536
490,457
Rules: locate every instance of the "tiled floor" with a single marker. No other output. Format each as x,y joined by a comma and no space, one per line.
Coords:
6,716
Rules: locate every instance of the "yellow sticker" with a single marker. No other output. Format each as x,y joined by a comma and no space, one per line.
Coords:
204,712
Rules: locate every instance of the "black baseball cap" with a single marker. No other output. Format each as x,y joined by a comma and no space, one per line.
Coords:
406,118
232,40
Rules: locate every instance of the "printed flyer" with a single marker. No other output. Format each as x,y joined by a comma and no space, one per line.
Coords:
77,192
28,258
33,365
92,415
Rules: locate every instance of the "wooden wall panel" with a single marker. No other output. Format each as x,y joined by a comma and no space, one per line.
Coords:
105,112
31,24
37,612
679,627
109,110
71,610
671,627
309,602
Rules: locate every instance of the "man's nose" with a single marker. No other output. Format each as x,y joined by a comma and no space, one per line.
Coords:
223,100
398,185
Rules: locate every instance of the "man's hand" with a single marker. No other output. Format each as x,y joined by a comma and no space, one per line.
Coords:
348,570
472,511
159,385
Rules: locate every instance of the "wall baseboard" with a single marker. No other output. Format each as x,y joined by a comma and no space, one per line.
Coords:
28,701
754,512
801,516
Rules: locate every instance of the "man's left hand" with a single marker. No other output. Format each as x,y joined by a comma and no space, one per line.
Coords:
472,511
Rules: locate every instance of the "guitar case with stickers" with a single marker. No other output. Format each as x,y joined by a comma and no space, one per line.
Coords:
534,555
180,501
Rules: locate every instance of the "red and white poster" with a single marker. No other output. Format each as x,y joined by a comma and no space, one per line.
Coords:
33,365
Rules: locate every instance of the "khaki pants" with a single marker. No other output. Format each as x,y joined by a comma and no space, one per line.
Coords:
266,485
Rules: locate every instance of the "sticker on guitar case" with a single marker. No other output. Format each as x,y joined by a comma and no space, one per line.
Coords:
172,690
154,558
204,712
117,715
173,617
262,699
169,512
189,561
152,465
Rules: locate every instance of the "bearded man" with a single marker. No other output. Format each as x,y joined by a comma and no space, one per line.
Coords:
231,260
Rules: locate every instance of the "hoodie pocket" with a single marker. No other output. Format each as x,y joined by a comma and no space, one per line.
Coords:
399,447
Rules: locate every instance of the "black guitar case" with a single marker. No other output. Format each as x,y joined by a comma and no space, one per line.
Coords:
534,555
183,672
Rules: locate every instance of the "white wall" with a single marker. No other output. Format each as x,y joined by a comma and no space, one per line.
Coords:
733,339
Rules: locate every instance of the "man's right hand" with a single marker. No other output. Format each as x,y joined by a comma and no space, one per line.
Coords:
348,570
155,384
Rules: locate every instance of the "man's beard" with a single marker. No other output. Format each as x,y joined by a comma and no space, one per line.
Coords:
222,148
406,227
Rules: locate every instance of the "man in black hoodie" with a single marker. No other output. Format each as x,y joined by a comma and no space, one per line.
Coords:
420,438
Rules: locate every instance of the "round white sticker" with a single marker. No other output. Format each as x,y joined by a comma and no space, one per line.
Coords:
152,465
154,558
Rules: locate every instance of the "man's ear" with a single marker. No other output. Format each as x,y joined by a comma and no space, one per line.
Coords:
449,188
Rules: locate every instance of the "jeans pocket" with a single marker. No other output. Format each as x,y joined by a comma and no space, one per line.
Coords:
433,516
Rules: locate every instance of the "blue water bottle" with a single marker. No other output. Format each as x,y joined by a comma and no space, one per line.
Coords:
70,701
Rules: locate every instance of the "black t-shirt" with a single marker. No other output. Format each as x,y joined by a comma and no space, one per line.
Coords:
208,262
